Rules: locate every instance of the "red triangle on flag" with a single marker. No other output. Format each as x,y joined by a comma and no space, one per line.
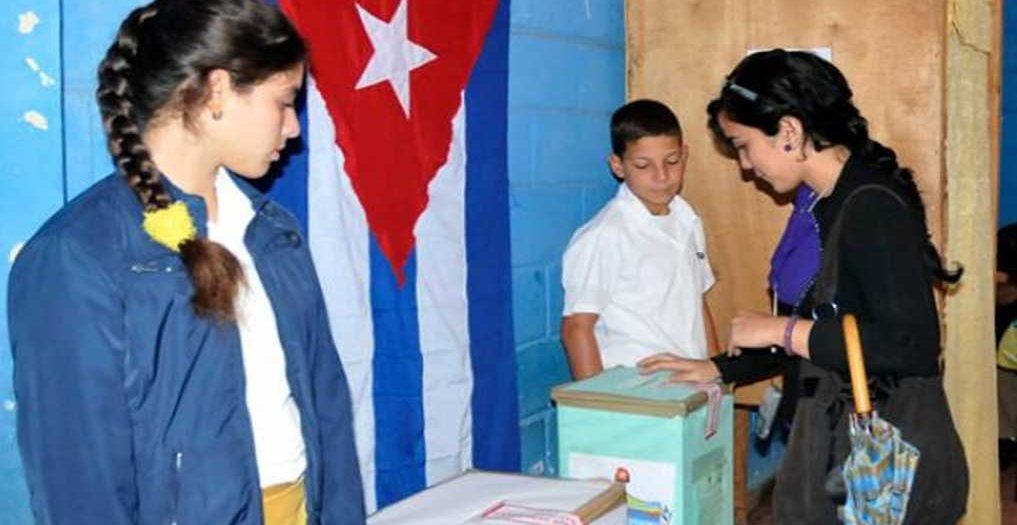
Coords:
411,60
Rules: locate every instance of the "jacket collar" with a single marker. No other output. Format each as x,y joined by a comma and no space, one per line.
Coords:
196,205
261,204
258,199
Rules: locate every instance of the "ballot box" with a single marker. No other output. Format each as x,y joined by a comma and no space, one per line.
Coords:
671,442
498,498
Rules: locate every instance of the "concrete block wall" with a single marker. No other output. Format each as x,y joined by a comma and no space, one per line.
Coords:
566,76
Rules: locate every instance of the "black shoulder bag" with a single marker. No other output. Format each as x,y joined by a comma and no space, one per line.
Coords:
810,484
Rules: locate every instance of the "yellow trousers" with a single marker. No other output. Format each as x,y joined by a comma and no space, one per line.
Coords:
284,504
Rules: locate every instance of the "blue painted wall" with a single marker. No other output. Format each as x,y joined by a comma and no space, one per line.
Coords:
32,184
49,70
566,76
1008,142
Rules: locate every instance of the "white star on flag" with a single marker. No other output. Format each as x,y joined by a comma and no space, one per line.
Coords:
394,54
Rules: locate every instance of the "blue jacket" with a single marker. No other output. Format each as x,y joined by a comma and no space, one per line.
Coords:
131,409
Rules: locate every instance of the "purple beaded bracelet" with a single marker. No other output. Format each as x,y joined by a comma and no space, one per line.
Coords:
789,330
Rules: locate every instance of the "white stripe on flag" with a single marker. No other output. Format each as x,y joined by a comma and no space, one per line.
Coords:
338,235
442,315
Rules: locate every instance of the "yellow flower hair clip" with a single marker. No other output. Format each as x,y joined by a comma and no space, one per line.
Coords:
170,226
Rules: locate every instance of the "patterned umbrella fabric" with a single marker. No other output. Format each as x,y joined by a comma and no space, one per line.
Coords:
880,470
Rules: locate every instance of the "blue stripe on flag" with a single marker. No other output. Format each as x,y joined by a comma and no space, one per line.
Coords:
287,180
400,453
492,352
398,382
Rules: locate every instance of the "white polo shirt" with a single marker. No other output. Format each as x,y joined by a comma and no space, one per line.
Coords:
275,419
644,276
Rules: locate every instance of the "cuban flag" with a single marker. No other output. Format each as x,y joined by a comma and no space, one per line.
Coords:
401,182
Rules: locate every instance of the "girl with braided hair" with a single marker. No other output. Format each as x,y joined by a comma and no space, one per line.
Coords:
172,356
788,117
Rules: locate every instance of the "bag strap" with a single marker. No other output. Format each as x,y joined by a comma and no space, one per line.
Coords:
826,285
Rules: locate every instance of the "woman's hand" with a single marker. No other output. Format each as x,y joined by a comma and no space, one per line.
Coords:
682,370
754,329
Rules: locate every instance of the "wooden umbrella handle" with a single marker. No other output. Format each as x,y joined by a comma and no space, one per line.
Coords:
856,365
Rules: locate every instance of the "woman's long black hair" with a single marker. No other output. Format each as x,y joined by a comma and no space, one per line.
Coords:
766,86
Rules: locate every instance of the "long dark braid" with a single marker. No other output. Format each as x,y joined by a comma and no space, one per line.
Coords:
770,85
161,57
120,119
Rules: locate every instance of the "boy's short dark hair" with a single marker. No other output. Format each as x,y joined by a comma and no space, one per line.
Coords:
642,118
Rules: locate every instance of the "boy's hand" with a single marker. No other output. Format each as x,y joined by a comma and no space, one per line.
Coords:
683,370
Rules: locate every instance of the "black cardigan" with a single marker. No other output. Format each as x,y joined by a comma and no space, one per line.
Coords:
883,280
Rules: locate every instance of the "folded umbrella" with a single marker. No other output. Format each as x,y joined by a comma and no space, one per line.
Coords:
879,472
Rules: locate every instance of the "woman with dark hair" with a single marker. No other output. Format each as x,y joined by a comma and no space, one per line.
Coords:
789,118
172,357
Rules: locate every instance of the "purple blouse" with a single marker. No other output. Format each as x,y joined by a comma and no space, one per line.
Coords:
795,261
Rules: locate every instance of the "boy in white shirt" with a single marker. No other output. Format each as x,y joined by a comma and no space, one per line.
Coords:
636,273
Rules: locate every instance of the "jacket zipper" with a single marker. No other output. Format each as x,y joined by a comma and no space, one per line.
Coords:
178,459
151,267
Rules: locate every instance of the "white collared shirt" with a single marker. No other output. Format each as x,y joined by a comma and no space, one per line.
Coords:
275,419
644,276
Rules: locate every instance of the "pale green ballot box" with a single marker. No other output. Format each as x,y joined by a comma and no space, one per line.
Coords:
620,424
